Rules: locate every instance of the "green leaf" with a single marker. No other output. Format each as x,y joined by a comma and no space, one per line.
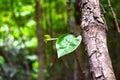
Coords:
66,44
2,60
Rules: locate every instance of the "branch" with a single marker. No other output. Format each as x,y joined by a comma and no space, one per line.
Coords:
5,55
82,76
114,16
76,52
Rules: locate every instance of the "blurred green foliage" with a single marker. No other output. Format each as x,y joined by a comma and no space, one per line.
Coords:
18,39
2,61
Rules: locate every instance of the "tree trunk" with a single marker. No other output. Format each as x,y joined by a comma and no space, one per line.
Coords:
40,49
94,33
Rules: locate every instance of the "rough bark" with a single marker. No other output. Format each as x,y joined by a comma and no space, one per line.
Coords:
40,49
94,33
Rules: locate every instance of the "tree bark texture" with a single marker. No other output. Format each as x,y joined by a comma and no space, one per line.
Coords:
94,33
40,49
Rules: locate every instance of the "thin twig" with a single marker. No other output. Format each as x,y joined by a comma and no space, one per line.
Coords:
68,16
52,39
104,11
114,16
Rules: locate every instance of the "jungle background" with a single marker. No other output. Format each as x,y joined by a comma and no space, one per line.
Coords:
19,43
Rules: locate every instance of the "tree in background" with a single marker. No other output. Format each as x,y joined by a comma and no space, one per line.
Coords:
40,35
